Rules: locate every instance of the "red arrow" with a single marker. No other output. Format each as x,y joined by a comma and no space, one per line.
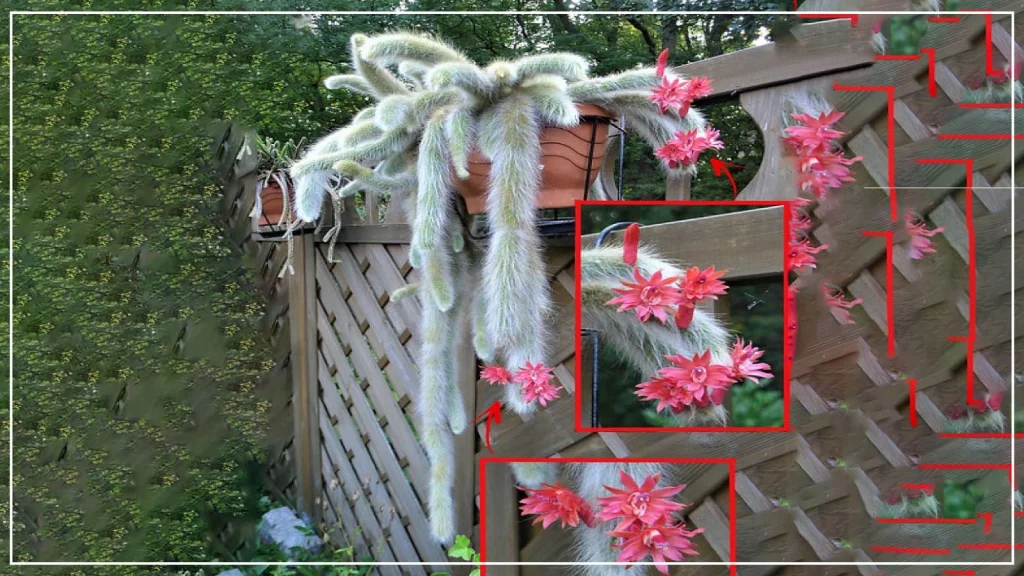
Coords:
719,166
493,415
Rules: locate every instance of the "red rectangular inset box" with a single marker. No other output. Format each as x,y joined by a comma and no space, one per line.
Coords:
729,463
787,353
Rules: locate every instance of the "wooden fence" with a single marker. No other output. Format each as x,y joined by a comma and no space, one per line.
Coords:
352,458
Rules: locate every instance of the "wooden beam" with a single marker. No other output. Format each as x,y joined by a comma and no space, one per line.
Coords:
374,234
748,244
502,518
813,49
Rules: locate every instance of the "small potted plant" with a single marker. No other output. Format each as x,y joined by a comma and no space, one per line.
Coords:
275,184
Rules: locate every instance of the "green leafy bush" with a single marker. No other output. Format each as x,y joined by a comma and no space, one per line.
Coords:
753,405
961,499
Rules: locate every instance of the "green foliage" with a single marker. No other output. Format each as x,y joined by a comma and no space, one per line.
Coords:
961,499
904,33
462,549
140,396
754,406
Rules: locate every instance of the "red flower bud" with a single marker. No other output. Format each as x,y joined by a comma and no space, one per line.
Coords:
994,401
684,315
630,242
662,62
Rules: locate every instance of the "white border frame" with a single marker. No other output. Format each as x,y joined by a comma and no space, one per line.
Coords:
10,294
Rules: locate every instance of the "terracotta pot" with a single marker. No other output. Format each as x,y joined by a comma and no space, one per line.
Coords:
272,200
564,154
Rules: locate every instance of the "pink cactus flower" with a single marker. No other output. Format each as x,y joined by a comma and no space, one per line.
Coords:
745,363
654,296
661,543
836,300
644,504
919,237
496,375
556,503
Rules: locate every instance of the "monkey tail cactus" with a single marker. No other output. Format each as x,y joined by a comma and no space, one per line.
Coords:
644,307
594,544
433,107
643,344
440,405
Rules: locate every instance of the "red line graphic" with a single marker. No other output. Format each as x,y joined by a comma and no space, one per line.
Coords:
987,517
918,486
958,572
926,520
890,320
990,546
989,70
932,90
972,280
912,384
944,19
897,56
890,93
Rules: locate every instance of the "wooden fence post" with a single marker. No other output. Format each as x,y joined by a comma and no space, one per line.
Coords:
502,520
677,186
305,387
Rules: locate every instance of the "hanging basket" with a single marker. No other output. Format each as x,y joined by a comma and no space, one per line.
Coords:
570,158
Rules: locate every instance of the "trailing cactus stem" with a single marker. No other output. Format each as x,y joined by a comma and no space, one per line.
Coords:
481,341
533,474
309,194
462,75
458,129
350,82
430,229
408,47
403,292
565,65
394,111
437,334
711,415
586,90
381,81
467,286
515,284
